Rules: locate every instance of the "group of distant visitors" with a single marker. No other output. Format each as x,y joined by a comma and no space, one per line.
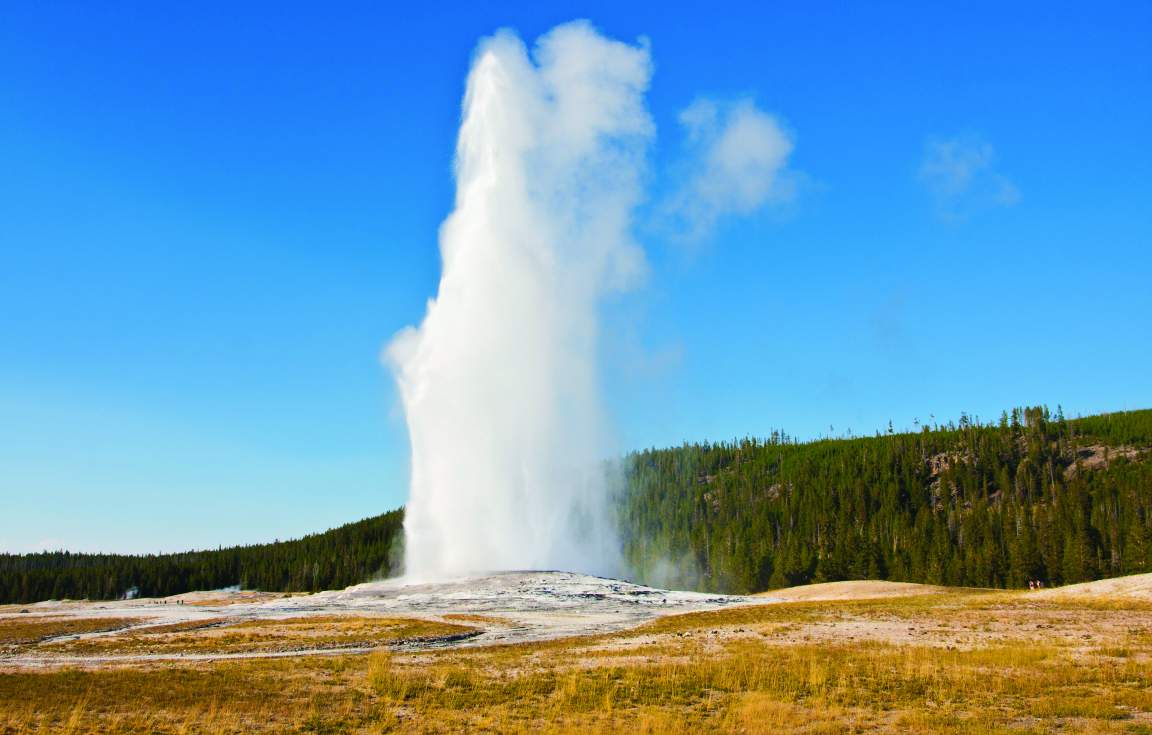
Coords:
1035,584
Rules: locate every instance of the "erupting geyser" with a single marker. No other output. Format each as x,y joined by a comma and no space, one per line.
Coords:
500,381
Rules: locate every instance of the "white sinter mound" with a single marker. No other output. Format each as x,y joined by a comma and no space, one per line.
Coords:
541,604
518,606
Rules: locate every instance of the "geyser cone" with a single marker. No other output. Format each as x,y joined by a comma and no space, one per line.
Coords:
499,383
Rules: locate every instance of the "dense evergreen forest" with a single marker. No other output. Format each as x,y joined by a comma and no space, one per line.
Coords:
331,560
1032,496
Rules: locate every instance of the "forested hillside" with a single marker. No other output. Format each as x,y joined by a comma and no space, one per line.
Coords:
331,560
1033,496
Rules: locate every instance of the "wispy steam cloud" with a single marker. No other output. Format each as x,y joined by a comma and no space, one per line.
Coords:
960,174
737,163
500,381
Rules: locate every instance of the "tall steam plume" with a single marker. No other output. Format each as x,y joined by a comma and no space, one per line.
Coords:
500,381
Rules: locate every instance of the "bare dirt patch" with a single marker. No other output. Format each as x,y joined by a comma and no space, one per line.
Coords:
853,590
1136,588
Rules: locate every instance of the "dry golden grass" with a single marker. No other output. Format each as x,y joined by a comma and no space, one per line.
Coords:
182,626
261,636
22,631
741,670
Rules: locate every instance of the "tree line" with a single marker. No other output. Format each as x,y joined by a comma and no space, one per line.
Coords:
343,556
1031,496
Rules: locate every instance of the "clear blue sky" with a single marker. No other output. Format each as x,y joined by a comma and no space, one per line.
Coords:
213,216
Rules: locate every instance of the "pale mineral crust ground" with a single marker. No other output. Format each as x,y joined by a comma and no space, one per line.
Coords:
509,607
519,607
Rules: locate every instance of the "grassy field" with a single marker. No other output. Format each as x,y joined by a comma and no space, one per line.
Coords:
17,633
963,662
218,635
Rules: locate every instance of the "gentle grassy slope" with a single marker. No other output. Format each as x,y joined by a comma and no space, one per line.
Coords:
333,559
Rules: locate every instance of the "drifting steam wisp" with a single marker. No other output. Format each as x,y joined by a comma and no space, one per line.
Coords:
500,381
